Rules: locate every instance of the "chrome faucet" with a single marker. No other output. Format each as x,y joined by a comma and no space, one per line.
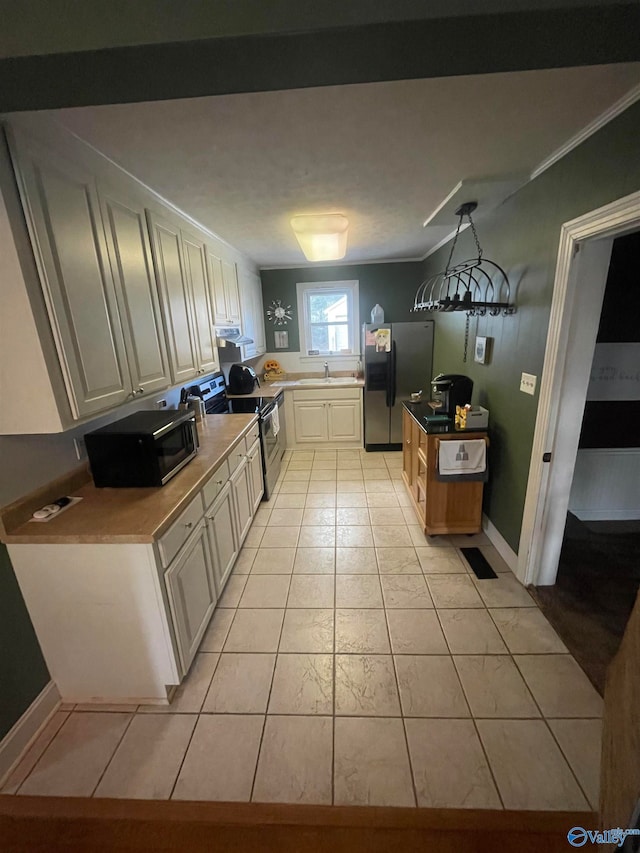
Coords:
326,370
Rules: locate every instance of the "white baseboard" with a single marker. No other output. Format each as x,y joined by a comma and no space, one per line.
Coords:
500,543
20,737
606,514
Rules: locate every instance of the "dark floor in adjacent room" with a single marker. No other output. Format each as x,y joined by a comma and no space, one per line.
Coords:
598,579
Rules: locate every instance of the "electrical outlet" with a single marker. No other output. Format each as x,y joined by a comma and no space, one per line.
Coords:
81,448
161,404
528,383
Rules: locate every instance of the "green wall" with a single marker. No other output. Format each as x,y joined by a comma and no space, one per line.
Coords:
522,235
23,672
392,285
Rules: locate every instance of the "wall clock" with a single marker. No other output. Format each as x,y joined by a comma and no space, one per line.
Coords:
278,313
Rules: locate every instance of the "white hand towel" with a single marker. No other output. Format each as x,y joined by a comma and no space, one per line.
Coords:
462,457
275,421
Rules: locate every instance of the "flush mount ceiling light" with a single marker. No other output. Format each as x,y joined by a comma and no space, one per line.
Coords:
322,237
476,285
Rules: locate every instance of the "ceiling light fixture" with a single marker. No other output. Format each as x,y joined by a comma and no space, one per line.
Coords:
322,237
476,286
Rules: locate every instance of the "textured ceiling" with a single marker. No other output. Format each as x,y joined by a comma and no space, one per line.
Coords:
384,154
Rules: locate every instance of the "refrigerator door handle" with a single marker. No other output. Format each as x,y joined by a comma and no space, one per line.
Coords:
389,384
393,374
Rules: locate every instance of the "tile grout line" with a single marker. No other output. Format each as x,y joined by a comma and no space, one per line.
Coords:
273,675
17,791
106,767
401,708
473,718
333,718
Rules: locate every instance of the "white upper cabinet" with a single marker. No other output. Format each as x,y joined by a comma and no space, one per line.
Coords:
223,281
252,312
132,269
195,261
65,225
176,296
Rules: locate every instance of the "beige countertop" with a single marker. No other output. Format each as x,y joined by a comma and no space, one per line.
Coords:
319,383
266,389
137,515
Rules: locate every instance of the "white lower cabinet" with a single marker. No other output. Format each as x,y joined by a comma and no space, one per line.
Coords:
241,489
222,536
192,594
254,460
332,416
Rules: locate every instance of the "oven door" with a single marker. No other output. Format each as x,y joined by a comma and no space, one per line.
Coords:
272,450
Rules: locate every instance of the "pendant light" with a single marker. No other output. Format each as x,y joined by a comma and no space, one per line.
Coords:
476,285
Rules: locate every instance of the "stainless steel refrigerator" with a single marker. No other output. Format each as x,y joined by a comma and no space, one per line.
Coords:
398,359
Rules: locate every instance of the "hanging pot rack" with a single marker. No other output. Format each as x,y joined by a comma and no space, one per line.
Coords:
477,286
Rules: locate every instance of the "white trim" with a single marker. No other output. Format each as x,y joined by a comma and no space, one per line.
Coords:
569,344
25,730
330,264
594,126
352,288
500,543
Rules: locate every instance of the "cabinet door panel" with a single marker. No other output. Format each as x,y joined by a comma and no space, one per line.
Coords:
65,222
310,421
216,288
255,475
132,268
176,297
192,595
344,420
259,334
241,487
232,297
222,537
196,269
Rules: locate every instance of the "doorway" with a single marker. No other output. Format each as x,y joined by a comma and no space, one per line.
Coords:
581,273
598,573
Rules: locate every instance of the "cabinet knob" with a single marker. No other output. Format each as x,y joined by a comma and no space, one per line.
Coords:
140,391
219,482
188,524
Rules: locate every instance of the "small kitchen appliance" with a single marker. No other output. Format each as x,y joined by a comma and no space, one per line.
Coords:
242,379
146,448
449,390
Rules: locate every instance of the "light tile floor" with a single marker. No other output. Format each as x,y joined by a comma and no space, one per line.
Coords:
351,660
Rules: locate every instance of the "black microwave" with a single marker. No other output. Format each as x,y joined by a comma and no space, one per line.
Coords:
143,449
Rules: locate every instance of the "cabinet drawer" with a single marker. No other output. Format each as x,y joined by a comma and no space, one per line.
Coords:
214,486
236,456
329,394
251,437
170,543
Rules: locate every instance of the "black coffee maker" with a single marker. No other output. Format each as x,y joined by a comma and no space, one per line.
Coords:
449,390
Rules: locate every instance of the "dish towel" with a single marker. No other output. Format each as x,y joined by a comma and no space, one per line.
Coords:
462,457
275,420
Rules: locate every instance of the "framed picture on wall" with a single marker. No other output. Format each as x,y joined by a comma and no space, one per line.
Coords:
481,352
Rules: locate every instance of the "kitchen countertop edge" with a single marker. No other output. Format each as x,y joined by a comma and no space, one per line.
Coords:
120,504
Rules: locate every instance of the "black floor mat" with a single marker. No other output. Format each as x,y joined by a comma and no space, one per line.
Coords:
478,563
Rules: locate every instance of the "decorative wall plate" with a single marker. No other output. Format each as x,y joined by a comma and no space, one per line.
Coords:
278,313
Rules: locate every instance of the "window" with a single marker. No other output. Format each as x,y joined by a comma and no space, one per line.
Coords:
328,313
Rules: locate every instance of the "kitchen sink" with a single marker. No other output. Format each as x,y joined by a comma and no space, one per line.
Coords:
332,380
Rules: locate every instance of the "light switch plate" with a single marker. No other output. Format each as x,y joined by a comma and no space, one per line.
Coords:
528,383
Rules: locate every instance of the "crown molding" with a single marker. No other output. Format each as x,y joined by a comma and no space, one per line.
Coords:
340,264
588,130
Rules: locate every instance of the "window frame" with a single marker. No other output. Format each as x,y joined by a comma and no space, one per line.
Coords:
304,290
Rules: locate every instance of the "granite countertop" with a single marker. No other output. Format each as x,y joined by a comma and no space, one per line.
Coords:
138,515
419,410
